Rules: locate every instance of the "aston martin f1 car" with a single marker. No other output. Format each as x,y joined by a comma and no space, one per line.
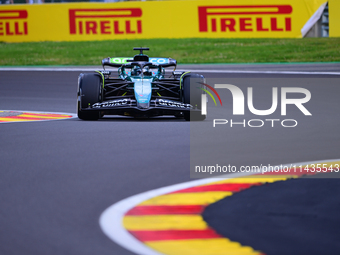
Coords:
140,89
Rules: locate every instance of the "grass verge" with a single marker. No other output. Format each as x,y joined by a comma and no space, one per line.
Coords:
186,51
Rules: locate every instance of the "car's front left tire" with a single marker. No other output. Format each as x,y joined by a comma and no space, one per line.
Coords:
191,90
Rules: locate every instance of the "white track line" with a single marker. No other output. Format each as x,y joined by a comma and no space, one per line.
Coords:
85,69
111,219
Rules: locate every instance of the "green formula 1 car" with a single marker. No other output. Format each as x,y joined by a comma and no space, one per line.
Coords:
140,89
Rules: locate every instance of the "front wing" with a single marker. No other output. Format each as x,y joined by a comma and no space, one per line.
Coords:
128,106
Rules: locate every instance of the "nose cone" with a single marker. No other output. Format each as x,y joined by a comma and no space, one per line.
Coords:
143,92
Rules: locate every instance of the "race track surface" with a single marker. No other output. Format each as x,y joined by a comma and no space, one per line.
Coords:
287,217
57,177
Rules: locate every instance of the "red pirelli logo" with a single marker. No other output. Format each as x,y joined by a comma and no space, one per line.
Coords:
12,22
220,18
105,21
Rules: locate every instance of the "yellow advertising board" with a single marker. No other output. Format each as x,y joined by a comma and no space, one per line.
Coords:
334,18
155,19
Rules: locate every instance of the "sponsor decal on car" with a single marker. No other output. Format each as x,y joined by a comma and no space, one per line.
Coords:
124,60
119,102
170,103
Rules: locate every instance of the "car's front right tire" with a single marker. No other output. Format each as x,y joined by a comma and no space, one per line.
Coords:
89,93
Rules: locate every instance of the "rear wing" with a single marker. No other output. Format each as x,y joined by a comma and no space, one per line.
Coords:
120,61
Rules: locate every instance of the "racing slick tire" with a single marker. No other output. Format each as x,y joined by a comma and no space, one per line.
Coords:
89,92
192,95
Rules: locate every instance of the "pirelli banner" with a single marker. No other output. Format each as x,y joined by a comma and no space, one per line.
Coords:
162,19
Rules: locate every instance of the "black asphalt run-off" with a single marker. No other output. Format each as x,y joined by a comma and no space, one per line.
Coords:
57,177
298,216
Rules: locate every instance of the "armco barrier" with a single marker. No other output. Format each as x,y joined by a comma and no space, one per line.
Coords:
161,19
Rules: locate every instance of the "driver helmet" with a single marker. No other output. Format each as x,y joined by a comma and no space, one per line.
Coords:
136,71
146,71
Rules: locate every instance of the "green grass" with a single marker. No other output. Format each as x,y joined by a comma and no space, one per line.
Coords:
186,51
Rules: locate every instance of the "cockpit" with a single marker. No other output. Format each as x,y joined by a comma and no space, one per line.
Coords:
137,71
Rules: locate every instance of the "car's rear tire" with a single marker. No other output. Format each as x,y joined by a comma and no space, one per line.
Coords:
191,84
89,92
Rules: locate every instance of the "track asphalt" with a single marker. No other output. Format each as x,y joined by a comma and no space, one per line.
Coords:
57,177
288,217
